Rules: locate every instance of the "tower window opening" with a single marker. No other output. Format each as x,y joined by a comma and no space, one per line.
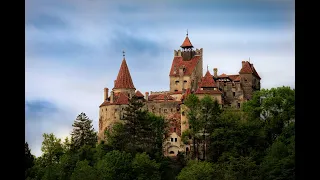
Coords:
185,81
234,94
171,152
174,129
171,139
176,90
175,139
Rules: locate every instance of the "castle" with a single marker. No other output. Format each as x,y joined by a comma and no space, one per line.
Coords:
186,77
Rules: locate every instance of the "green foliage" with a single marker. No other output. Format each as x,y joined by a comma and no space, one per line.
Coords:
239,144
52,149
83,133
144,168
84,171
197,170
115,165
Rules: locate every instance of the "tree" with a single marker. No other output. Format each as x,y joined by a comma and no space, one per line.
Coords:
52,149
144,168
84,171
279,163
83,133
28,159
115,165
197,170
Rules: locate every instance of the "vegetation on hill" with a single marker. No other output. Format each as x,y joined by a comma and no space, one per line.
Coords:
254,142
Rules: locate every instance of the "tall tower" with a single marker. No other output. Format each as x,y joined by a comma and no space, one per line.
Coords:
186,68
124,83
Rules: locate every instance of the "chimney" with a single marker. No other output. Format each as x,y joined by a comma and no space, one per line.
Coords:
147,96
243,62
111,97
106,91
215,72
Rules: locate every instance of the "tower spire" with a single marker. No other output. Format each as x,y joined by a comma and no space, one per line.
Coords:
186,43
124,80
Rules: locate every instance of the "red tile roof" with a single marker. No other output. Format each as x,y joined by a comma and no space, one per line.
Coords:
152,96
139,94
207,81
199,91
119,98
223,75
163,97
179,62
248,68
124,80
233,77
186,43
237,79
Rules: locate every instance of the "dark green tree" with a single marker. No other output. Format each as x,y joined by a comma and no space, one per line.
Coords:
83,133
28,160
197,170
84,171
144,168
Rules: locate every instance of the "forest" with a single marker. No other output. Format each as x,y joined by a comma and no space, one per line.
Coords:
255,142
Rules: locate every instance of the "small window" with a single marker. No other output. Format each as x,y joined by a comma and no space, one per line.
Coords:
175,139
185,81
106,109
165,110
176,90
190,127
174,129
177,82
102,110
171,139
234,94
171,110
238,105
171,152
182,113
159,110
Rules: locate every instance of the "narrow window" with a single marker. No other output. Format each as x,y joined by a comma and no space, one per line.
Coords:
182,113
174,129
234,94
175,139
171,139
238,105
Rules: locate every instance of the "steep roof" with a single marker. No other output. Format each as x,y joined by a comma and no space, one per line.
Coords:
207,81
139,94
120,98
237,79
179,62
223,75
248,68
186,94
186,43
124,80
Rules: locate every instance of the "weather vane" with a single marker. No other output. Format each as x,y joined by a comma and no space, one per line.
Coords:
187,32
207,67
123,53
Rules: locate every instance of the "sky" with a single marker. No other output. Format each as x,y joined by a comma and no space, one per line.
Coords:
73,50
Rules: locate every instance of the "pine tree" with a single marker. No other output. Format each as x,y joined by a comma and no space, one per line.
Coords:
135,124
83,133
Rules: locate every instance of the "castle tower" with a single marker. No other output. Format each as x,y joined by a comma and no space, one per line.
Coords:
250,79
186,68
124,83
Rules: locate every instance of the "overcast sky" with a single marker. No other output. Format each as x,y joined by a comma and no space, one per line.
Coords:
74,50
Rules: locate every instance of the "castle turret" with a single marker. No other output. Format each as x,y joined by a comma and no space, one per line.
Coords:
124,83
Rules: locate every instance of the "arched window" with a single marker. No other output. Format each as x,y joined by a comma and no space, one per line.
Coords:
171,152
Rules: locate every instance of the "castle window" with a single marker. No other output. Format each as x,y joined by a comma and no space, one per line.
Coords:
190,127
165,110
159,110
234,94
182,113
175,139
171,152
106,109
176,90
185,81
184,69
102,110
171,110
177,82
174,129
238,105
171,139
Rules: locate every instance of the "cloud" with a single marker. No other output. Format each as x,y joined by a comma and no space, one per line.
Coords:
74,50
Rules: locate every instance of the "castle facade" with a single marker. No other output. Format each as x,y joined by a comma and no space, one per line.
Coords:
186,77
